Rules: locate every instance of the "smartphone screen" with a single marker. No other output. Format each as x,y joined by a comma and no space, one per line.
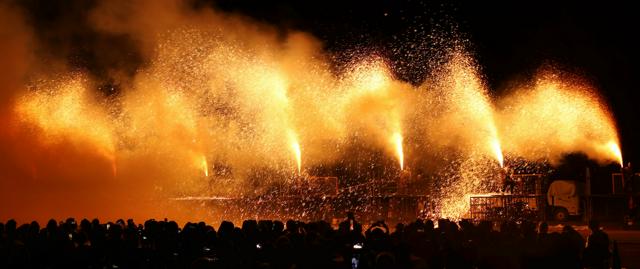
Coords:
355,261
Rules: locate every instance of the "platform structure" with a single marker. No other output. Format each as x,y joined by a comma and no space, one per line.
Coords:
525,202
325,198
505,207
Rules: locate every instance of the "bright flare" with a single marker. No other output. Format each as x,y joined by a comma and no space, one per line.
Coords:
397,141
495,145
205,166
295,146
296,150
615,150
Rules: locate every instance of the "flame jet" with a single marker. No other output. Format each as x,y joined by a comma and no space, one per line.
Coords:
557,114
205,166
464,115
375,102
397,140
462,118
295,145
616,152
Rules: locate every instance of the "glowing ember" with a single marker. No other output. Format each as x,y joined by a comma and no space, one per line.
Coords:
397,141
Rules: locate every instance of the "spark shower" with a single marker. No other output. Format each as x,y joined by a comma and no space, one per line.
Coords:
224,97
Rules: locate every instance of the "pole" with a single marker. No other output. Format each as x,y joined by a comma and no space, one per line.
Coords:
587,196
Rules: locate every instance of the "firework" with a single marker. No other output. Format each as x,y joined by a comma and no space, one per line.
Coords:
240,100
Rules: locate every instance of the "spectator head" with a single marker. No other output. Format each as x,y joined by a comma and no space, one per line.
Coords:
249,226
350,216
428,225
225,229
11,226
543,227
52,225
85,225
292,226
34,227
567,228
594,225
385,260
278,226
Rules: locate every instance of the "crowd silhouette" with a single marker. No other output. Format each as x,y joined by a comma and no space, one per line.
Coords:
274,244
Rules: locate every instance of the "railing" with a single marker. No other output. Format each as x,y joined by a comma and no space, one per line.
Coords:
506,207
618,182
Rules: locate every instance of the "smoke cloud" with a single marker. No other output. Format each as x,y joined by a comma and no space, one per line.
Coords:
192,101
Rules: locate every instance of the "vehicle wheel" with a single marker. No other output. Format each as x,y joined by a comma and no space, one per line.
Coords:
560,214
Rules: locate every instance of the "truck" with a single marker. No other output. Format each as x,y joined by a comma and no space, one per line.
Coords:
531,199
564,198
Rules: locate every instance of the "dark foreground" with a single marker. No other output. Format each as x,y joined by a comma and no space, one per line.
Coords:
272,244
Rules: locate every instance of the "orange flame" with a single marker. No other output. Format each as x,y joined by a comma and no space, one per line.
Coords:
397,141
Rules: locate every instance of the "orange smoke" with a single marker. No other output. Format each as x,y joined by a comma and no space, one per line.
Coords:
247,96
66,110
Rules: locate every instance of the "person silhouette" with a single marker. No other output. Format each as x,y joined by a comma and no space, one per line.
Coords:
507,180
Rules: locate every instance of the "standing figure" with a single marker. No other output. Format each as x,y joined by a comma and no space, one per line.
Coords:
507,180
596,254
627,178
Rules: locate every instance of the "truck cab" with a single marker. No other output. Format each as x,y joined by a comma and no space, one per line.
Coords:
563,198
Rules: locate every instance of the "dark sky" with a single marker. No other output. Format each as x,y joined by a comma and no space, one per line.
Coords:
510,41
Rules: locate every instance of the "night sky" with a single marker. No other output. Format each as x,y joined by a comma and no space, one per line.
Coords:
510,41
